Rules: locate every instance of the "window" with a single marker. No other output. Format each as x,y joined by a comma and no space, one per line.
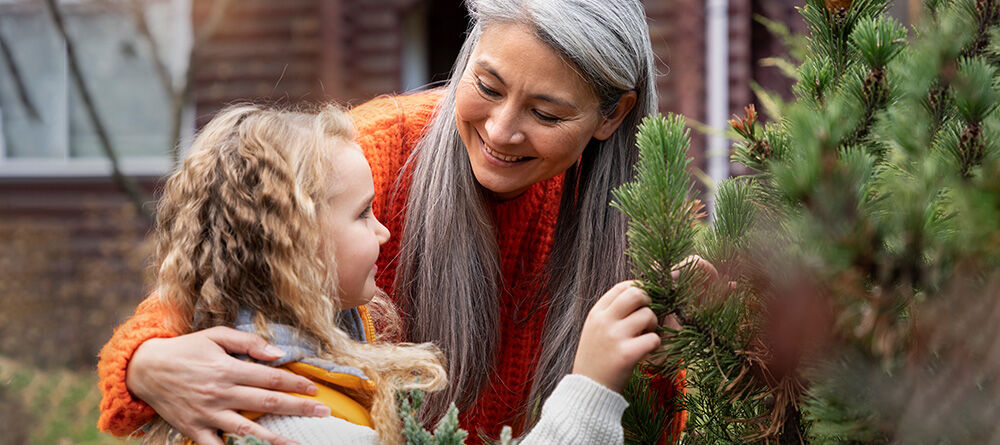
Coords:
119,72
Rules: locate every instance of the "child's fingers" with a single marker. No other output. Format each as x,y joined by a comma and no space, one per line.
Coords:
612,294
630,300
635,349
695,262
671,322
640,321
234,423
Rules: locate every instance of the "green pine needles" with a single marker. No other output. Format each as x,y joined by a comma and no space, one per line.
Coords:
658,204
865,248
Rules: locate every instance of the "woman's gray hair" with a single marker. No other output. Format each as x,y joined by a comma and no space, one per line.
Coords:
448,276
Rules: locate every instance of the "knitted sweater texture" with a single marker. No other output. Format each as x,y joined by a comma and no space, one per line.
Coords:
388,130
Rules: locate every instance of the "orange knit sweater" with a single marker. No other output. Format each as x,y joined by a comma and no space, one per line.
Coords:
388,130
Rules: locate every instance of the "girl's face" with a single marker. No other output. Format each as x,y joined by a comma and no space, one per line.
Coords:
351,232
523,114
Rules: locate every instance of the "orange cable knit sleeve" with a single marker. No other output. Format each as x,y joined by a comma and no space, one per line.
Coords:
121,413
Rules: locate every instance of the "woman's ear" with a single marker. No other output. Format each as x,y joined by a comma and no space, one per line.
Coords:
614,119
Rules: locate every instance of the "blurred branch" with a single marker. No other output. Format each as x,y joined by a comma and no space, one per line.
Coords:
179,95
138,10
131,189
15,75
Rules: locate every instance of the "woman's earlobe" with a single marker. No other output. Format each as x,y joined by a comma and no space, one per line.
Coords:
610,123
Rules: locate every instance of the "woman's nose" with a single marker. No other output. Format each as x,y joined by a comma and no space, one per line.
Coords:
503,127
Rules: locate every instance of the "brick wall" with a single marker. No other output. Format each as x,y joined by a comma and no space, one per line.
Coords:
261,50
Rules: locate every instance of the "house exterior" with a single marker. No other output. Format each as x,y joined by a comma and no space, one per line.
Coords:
54,178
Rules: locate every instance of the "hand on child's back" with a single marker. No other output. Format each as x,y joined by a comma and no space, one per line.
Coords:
620,330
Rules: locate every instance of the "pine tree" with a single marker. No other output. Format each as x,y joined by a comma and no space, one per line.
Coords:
866,249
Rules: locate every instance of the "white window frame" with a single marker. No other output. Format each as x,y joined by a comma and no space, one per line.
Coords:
176,54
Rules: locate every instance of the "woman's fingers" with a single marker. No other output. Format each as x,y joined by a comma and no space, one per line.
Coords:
239,342
238,425
206,437
263,401
266,377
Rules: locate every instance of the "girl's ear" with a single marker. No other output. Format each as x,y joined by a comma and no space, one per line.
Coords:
614,119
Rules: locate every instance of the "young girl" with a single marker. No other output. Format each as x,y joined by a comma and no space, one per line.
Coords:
268,228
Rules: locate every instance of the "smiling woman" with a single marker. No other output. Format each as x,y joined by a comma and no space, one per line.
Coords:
524,113
499,186
544,97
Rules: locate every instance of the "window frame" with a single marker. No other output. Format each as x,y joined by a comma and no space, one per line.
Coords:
176,51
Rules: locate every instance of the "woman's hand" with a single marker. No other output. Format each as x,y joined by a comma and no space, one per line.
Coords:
197,387
619,332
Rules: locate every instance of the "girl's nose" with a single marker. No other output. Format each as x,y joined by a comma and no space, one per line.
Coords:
381,232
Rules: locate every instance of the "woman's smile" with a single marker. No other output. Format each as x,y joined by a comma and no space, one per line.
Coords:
501,159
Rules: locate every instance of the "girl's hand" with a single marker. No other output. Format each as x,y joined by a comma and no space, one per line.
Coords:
708,277
619,332
197,387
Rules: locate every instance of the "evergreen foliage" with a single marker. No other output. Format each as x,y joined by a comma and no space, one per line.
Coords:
446,432
866,248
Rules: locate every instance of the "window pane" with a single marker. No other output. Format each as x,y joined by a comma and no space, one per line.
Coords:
122,79
38,52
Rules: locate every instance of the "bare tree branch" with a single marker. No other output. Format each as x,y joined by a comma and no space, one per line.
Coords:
15,75
138,197
201,36
178,97
138,10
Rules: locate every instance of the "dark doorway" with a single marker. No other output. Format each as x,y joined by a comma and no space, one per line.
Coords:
447,23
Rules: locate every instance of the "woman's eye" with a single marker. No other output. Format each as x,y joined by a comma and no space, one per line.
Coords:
546,117
366,213
486,90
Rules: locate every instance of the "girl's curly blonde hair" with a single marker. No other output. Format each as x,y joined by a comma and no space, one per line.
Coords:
237,228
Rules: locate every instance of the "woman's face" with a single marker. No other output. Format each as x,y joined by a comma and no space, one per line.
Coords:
351,234
523,114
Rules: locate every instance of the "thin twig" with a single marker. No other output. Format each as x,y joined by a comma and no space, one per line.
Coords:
179,96
15,75
138,197
138,8
182,97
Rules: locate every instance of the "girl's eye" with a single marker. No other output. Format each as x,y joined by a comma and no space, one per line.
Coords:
485,89
545,117
366,213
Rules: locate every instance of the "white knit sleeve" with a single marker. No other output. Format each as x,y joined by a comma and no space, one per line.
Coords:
319,430
579,411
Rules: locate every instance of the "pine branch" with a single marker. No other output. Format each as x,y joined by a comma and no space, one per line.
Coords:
661,212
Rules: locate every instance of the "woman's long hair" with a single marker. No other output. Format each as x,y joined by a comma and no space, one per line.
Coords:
449,269
237,228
